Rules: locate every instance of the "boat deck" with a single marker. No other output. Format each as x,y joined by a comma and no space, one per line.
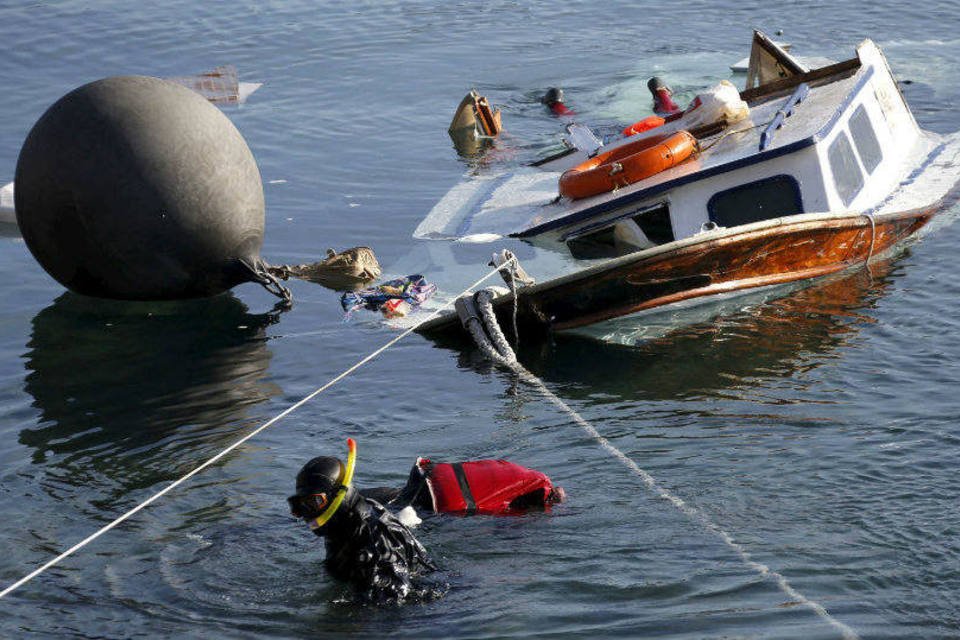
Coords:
524,202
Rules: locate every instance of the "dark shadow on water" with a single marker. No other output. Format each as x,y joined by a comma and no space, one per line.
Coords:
778,337
138,392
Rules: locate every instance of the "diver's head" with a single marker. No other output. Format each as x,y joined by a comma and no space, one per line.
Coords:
656,83
554,95
324,490
662,96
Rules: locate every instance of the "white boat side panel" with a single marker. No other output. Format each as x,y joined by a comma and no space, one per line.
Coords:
688,204
900,141
888,93
931,180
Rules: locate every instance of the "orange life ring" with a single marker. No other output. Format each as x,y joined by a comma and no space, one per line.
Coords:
627,164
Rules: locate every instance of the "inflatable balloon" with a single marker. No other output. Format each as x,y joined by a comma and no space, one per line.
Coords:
137,188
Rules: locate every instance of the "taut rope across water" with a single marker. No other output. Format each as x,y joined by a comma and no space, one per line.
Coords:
176,483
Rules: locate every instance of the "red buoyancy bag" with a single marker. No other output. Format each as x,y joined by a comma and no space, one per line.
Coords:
486,486
650,122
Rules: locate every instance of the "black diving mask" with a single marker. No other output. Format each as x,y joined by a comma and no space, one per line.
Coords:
317,508
309,506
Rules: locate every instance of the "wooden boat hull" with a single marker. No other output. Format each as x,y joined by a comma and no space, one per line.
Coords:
757,255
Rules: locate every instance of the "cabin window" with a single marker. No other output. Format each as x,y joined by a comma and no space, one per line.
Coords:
761,200
865,140
845,169
636,231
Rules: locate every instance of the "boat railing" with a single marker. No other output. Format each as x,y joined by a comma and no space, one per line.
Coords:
782,114
817,77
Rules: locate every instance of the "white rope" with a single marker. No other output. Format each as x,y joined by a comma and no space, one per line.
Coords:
176,483
691,512
507,358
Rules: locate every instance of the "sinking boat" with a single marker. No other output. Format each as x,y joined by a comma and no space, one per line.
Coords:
829,170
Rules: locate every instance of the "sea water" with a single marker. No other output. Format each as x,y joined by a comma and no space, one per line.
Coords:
819,430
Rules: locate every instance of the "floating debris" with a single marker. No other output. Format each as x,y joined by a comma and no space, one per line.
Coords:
474,125
347,270
413,290
220,86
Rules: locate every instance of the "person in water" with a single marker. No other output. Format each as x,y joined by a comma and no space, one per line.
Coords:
663,104
366,545
372,549
553,98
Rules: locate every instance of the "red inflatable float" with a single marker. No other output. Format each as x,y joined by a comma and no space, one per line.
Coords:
486,486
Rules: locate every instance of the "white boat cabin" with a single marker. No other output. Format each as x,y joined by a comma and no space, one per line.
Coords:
839,138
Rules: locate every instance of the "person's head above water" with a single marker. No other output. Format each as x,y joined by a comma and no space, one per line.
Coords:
662,96
324,490
553,98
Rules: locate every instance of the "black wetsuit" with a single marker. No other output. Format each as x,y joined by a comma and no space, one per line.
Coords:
369,548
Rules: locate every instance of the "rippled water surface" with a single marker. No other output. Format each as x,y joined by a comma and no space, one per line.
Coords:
818,431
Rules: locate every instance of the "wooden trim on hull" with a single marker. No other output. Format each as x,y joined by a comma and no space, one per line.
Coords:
761,259
757,257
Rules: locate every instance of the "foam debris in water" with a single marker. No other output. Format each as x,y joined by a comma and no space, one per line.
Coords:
408,516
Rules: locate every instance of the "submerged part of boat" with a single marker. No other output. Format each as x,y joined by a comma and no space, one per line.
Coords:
828,171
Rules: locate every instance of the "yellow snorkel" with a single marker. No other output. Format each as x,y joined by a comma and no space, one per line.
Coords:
344,483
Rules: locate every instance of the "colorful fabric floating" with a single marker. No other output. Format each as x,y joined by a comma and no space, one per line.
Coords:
413,290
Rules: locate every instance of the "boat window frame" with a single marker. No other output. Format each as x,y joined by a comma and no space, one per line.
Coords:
791,180
838,153
586,243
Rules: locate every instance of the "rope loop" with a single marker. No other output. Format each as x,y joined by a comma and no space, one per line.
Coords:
873,239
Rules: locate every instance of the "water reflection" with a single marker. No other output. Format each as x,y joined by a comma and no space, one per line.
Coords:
9,230
135,391
776,337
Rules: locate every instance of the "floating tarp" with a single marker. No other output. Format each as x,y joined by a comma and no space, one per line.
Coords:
349,269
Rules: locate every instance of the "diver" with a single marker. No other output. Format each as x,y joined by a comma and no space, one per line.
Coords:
366,545
553,98
374,550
